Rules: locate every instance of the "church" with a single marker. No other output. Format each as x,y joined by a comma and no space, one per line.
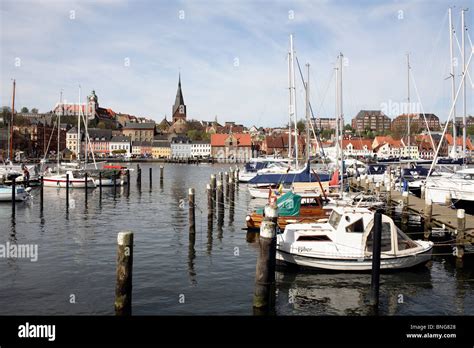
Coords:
178,125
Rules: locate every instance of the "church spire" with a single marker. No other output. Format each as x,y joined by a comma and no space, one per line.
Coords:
179,108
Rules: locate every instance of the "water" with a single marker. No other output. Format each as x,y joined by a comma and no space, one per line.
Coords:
77,255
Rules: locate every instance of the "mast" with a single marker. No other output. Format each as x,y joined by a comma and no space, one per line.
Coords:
336,115
293,97
453,81
79,128
463,56
290,107
86,121
341,120
59,125
10,152
409,105
307,115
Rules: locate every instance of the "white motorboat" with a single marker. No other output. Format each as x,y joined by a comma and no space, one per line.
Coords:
75,181
21,194
263,165
344,243
456,187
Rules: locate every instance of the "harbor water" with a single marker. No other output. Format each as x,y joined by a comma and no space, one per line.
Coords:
75,270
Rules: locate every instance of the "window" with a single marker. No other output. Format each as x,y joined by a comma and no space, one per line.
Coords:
321,238
334,219
357,226
386,244
403,242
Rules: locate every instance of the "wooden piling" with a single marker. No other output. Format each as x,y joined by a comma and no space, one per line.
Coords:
162,169
226,184
264,295
150,173
405,201
123,287
210,204
460,241
427,214
100,185
213,189
67,191
237,172
192,214
220,202
13,194
377,189
86,189
139,175
376,251
115,182
41,192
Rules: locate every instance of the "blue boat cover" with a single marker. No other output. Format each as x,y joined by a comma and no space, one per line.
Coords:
304,175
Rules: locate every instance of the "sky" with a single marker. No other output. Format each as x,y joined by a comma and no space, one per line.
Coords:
232,55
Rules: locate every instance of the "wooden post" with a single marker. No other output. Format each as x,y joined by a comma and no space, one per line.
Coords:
405,207
192,215
13,194
100,185
139,175
231,198
264,295
151,177
220,202
427,218
221,176
210,205
376,250
123,287
162,169
237,172
447,199
67,191
128,177
358,183
366,183
213,189
86,191
461,215
377,189
389,188
115,182
226,184
41,192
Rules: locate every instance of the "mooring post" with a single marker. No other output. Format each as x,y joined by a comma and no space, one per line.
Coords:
427,218
210,204
220,202
376,250
237,172
231,198
447,199
151,177
226,184
67,191
41,192
100,185
139,175
123,287
358,184
221,176
128,177
115,182
264,295
13,194
162,169
86,189
461,215
405,201
192,215
377,189
213,189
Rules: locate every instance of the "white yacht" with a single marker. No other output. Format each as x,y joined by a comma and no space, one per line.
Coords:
457,187
344,243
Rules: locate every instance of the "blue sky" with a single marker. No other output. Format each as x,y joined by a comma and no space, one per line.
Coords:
58,52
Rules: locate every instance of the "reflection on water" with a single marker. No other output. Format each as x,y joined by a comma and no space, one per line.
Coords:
214,268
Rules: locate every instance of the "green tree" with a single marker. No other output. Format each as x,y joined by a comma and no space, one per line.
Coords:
470,130
24,110
348,127
301,126
34,110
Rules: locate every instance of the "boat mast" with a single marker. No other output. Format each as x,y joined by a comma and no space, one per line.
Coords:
463,56
59,125
293,92
336,116
453,82
79,128
10,152
341,120
307,115
290,107
86,121
409,105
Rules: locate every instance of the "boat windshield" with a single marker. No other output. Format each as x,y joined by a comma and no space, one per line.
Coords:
334,219
386,238
403,241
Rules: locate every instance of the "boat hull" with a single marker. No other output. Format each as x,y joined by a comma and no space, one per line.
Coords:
73,183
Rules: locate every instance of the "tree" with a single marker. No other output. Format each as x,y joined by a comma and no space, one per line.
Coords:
34,110
348,127
24,110
470,130
301,126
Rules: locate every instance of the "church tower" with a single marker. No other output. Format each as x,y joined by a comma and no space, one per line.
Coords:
179,108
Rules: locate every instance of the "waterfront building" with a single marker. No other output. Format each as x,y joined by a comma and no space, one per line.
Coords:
99,141
181,147
161,149
234,147
417,123
386,147
277,145
142,148
200,149
120,145
357,147
144,131
375,120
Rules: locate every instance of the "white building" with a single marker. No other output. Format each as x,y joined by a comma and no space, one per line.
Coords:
120,144
181,148
201,149
71,140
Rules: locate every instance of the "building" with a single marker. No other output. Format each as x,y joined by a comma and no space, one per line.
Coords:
161,149
144,131
459,144
324,123
234,147
99,141
417,123
277,145
120,145
201,149
375,120
179,108
357,147
385,147
409,151
142,148
181,147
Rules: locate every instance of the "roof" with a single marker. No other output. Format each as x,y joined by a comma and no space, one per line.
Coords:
357,144
180,140
161,143
141,143
143,125
363,113
220,139
120,138
459,142
205,142
179,100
